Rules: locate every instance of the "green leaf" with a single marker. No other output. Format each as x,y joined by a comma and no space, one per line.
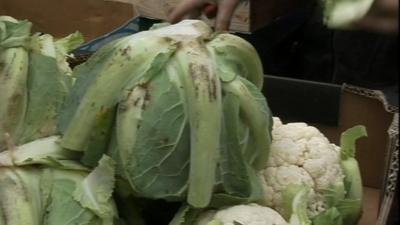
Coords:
351,206
95,191
232,165
63,209
330,216
256,114
295,200
236,57
69,43
111,69
45,151
14,33
351,210
219,222
47,89
156,156
20,202
334,194
186,215
348,141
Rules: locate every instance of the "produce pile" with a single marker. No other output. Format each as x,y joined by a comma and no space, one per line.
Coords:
167,126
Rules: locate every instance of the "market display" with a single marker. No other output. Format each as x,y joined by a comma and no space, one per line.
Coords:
173,115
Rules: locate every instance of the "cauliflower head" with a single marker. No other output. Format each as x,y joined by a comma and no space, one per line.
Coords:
300,154
251,214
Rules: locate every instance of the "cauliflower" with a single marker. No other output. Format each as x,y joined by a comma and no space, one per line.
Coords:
254,214
307,181
300,154
251,214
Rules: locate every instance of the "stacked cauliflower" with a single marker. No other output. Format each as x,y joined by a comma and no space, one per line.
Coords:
300,154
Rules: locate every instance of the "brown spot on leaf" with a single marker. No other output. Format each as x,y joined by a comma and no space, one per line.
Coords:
126,50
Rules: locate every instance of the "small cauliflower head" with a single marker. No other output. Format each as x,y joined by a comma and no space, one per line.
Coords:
251,214
300,154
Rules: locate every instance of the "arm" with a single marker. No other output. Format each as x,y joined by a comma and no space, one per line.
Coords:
194,8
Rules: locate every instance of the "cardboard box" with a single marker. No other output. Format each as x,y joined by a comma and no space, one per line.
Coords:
248,17
346,106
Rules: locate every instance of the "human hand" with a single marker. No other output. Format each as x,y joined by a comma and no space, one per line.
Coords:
194,8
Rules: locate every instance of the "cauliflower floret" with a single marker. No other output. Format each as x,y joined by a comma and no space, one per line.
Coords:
276,122
300,154
251,214
276,179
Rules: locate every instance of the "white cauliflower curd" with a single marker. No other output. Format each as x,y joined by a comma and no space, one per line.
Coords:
300,154
251,214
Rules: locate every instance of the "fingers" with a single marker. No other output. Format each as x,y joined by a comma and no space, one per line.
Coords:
226,9
194,8
189,7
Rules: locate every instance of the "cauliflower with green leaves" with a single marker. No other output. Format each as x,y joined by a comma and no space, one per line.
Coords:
302,155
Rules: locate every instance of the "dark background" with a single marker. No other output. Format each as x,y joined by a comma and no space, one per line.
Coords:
298,45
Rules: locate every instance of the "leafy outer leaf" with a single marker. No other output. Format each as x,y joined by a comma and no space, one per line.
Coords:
95,191
236,223
350,210
218,222
239,178
155,147
203,98
351,207
36,152
295,204
43,44
334,194
232,164
14,33
86,74
14,61
69,43
47,91
348,141
235,56
257,115
99,138
186,215
91,99
19,201
129,210
62,208
329,217
222,199
13,92
63,46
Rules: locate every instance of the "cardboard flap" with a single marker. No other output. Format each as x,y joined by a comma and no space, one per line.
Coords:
301,100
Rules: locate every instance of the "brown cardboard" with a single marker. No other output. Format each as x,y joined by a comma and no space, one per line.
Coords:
60,18
371,153
378,155
370,206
